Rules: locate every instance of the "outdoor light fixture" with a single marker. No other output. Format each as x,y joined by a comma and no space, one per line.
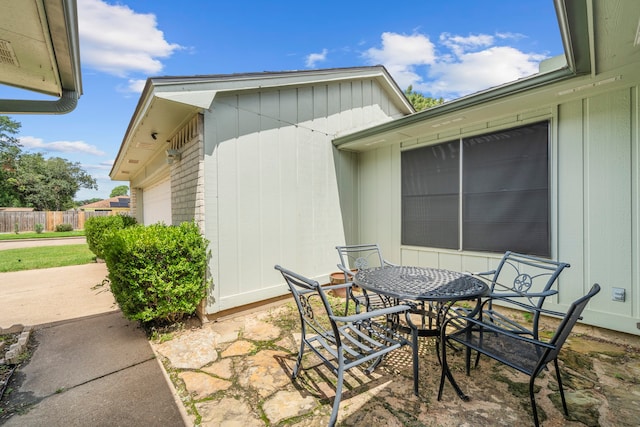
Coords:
172,155
154,135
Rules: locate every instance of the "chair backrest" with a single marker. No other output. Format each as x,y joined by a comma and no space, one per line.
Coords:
568,322
522,274
313,305
359,257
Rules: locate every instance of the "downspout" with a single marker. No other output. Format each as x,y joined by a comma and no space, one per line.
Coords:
65,104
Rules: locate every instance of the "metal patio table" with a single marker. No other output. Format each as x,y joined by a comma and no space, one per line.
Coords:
433,290
434,287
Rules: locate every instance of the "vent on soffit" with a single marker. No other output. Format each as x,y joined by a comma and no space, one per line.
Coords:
7,55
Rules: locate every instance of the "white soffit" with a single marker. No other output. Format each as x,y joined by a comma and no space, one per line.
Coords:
197,98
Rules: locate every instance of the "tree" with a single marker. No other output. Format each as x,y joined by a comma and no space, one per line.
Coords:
48,184
9,152
30,180
120,190
419,101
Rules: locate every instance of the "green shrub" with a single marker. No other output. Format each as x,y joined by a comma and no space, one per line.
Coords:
64,227
96,227
39,228
157,272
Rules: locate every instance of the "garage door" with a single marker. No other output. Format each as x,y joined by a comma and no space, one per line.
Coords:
156,203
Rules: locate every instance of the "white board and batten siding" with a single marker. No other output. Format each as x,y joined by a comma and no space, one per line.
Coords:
595,159
271,192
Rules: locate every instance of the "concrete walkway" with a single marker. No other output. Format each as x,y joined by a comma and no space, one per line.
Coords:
30,243
95,371
89,365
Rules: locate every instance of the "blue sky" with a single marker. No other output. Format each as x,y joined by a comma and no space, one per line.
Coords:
443,48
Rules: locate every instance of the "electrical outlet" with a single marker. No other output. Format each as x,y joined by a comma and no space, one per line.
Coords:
618,294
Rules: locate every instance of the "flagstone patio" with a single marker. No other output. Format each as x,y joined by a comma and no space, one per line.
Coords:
235,371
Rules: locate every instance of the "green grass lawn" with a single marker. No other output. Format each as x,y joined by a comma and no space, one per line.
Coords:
44,257
45,235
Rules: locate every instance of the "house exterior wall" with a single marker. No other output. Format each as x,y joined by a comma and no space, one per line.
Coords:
187,180
595,200
271,193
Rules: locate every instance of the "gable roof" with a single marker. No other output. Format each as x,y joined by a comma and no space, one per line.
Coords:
168,103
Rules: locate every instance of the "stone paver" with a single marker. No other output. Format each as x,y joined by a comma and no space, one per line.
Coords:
190,351
249,383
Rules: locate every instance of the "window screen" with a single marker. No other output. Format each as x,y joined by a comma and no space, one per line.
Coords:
505,193
430,195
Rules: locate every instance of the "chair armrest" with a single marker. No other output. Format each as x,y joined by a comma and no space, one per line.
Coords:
386,263
338,286
484,273
371,314
524,306
471,321
499,295
346,271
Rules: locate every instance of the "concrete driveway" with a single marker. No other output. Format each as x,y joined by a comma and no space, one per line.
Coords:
37,297
44,296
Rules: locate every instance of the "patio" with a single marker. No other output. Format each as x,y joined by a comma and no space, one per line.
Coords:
236,371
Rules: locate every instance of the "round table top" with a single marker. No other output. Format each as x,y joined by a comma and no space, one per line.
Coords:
421,283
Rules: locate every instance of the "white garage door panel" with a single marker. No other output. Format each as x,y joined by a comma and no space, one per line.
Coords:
157,203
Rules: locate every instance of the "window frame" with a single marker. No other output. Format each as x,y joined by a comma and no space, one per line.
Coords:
541,228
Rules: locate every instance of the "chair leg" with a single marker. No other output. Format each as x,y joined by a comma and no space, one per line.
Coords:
414,341
564,402
443,363
296,368
346,303
336,400
534,409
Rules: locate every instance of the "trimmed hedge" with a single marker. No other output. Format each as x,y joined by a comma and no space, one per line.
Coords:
157,272
96,227
61,228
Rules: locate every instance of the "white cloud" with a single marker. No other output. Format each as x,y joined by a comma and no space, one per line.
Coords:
119,41
475,71
401,54
136,85
314,58
457,65
401,49
60,146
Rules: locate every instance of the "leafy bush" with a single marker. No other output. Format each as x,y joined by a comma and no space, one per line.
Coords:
64,227
96,227
39,228
157,272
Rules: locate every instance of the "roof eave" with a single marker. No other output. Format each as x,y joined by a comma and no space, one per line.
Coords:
574,29
62,22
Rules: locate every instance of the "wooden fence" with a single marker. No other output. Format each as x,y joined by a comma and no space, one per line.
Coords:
27,221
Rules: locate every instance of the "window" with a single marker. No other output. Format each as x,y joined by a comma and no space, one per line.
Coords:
484,193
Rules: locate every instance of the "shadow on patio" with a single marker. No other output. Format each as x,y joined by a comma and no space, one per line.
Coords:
236,371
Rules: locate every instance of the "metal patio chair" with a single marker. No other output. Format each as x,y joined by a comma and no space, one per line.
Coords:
522,282
344,342
527,355
354,258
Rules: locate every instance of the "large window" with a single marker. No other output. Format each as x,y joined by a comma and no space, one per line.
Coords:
485,193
